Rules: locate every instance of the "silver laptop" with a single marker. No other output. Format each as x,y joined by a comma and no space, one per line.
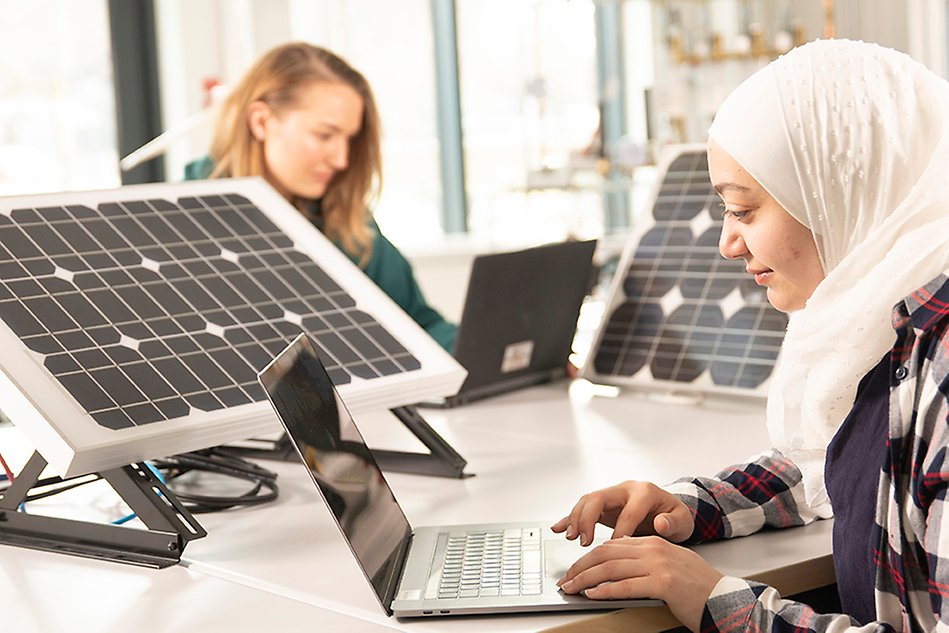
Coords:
519,318
426,571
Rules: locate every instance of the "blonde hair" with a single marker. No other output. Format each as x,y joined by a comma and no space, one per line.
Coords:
277,79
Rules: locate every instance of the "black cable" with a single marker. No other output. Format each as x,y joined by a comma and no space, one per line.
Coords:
219,461
213,460
56,485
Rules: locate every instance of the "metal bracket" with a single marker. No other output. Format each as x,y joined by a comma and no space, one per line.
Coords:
441,461
170,525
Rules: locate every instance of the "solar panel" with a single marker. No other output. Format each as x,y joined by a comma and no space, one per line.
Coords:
678,313
134,321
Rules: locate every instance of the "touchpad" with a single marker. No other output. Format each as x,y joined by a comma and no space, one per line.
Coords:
560,554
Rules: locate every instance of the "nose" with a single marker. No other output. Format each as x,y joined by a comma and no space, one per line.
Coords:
339,155
731,244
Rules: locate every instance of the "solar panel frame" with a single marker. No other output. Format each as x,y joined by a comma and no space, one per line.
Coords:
64,431
645,301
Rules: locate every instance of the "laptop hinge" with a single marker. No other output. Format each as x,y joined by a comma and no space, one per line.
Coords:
470,394
392,584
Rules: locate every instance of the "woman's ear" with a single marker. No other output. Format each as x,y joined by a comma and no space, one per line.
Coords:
258,113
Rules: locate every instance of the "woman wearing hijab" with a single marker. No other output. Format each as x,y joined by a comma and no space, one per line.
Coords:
306,121
832,163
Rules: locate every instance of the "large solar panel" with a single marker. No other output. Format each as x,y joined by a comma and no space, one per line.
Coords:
679,314
134,321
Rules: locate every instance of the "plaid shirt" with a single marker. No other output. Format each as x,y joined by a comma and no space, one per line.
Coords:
912,555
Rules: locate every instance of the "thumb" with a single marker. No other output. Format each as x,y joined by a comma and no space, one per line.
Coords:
672,527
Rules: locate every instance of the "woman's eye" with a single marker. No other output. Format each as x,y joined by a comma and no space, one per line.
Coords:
738,215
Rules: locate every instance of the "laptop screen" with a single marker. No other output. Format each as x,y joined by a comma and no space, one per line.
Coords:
340,463
520,315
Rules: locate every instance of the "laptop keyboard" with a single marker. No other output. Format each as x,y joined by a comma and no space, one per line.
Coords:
494,563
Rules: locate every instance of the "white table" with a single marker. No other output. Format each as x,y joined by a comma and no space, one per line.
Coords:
43,592
532,454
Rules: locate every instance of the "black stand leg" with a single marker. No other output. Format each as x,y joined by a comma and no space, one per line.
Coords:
441,461
171,525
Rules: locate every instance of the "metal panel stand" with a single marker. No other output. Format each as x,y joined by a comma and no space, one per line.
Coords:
170,525
441,461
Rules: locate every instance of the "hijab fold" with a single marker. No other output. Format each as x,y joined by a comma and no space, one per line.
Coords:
852,139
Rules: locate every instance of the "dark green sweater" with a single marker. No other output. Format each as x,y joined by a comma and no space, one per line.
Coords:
387,267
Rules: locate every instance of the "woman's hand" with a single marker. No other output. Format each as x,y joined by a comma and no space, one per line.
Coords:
632,507
645,567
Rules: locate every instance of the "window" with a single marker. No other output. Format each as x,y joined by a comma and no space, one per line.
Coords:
529,95
530,117
391,43
57,114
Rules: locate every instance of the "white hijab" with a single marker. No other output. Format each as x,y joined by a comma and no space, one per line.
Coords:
852,139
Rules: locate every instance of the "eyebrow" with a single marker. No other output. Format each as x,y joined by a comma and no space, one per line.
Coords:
722,187
332,127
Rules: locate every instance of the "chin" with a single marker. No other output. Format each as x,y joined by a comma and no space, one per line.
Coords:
783,303
311,193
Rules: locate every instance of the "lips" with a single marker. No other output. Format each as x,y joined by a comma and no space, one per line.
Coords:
761,276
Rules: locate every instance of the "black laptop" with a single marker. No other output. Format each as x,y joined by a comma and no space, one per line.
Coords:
520,317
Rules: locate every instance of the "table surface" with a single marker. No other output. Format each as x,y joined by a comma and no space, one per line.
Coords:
532,453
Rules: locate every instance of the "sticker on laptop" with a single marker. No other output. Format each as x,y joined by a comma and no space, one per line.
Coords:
517,356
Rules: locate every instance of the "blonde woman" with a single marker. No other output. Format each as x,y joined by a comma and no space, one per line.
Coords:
306,121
